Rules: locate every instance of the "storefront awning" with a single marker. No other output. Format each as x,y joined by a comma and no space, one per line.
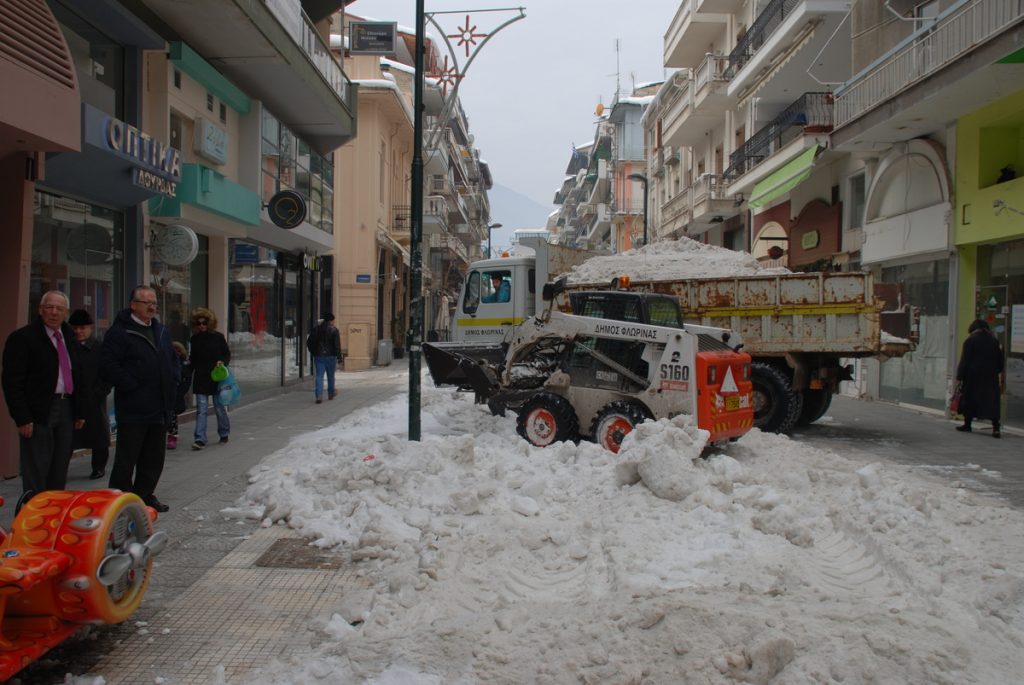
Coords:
784,179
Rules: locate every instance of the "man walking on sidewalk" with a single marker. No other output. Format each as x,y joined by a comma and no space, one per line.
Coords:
137,359
324,344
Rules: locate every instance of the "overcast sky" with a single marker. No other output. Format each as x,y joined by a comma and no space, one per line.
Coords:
531,93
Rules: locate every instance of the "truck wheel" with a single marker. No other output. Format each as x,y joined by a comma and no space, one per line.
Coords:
816,403
547,418
615,421
776,406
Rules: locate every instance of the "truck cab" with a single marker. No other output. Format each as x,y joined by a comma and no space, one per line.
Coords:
497,295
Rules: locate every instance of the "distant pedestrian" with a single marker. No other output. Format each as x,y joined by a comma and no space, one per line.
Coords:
981,376
137,359
41,373
95,435
324,345
184,385
208,350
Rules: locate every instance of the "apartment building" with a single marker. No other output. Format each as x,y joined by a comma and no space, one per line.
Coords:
877,135
372,248
601,199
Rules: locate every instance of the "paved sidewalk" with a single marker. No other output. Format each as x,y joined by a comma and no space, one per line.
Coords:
207,604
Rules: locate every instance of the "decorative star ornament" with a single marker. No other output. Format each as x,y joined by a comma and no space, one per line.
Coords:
467,36
446,75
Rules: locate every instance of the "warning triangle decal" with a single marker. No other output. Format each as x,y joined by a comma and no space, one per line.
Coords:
728,383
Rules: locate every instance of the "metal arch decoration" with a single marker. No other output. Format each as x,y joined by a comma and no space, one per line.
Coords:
453,75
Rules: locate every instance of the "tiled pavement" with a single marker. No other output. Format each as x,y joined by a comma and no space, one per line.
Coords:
208,604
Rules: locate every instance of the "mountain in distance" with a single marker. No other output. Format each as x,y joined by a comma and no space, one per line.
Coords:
514,210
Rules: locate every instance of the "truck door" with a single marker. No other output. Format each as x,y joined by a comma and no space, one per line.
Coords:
487,312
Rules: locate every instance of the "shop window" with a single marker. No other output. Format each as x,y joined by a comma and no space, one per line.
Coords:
223,113
98,61
254,326
1000,154
856,197
181,288
78,248
177,79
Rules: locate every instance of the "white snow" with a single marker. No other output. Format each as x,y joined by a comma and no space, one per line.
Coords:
770,561
670,260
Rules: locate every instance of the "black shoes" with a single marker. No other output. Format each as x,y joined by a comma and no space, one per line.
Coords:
224,440
97,474
964,429
152,501
198,445
996,433
332,395
318,400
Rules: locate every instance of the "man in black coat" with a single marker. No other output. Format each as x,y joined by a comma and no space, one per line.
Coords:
41,373
95,435
980,373
137,359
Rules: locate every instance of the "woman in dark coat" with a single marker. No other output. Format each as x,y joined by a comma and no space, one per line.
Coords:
980,373
207,350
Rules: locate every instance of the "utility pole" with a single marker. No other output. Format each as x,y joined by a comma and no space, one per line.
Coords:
467,37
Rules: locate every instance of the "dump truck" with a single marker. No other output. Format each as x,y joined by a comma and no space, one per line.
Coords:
798,328
599,374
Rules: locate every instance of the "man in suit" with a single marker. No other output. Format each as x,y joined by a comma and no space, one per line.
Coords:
137,359
96,433
41,375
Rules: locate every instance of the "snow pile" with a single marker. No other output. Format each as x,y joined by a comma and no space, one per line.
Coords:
496,562
668,260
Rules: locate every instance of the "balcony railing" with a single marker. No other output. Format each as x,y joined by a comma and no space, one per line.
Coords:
678,205
709,187
713,68
936,46
760,31
320,55
402,219
810,112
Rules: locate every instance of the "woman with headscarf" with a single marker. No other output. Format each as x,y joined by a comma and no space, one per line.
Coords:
980,374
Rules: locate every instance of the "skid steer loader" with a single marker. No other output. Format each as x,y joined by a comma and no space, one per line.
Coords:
569,376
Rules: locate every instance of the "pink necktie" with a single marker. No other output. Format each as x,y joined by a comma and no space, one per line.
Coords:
65,363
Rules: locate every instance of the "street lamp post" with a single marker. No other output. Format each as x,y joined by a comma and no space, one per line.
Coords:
491,226
643,180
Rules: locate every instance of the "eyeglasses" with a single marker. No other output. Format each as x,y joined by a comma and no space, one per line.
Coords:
201,322
148,303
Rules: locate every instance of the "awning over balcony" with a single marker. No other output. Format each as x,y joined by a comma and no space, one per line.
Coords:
784,179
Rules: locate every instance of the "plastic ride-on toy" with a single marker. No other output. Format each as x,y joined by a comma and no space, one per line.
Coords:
72,558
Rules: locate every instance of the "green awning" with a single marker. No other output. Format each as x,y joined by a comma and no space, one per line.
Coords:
784,179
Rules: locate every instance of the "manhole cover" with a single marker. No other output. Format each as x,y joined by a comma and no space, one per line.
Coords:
298,553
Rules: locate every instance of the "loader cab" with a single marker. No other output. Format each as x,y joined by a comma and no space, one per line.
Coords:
497,295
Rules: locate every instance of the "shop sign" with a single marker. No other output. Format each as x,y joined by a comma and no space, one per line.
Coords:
157,165
363,278
211,141
372,37
287,209
310,262
810,240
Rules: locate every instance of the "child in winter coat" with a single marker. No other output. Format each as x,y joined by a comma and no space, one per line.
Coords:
185,366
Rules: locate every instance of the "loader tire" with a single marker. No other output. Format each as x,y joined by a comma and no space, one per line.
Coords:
546,418
776,406
816,403
615,421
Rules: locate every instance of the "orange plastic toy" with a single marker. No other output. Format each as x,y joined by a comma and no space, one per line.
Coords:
71,558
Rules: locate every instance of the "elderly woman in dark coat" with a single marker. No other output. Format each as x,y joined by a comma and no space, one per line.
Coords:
980,374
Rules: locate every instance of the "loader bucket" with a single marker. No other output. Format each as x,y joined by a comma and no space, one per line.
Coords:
466,365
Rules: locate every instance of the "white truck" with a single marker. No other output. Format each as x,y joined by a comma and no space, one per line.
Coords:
796,327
